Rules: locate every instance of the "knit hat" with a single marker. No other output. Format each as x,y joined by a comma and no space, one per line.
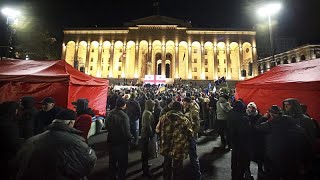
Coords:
120,102
252,104
274,109
47,100
66,114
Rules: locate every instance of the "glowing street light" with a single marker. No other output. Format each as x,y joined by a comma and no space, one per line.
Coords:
12,16
269,10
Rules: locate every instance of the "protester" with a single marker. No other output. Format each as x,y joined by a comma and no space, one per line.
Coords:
119,136
147,135
84,117
175,131
221,124
192,113
133,111
287,146
46,115
58,153
9,137
26,117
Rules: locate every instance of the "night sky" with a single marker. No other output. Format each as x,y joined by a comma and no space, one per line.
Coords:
298,19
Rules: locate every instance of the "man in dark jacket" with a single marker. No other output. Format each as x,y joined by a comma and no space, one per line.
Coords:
293,108
287,146
58,153
26,117
133,111
45,117
118,140
240,135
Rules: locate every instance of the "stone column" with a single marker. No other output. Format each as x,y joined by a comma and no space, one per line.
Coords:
87,59
241,60
215,55
124,61
202,73
111,60
136,61
176,75
163,60
228,64
189,72
76,57
255,61
99,72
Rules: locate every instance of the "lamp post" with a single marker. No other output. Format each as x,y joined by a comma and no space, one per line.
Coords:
267,11
12,19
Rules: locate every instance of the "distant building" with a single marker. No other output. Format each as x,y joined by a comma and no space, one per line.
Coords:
160,45
302,53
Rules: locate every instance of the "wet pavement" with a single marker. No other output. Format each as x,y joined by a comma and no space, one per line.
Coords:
214,163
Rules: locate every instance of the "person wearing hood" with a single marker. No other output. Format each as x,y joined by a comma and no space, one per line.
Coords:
84,117
239,135
58,153
293,108
147,135
26,117
256,142
133,110
221,124
287,149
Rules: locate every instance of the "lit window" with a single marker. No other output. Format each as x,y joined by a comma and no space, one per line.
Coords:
195,77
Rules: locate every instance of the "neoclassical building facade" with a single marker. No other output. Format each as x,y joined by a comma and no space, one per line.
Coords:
159,45
303,53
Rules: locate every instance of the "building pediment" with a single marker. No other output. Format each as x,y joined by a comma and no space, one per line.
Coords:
158,20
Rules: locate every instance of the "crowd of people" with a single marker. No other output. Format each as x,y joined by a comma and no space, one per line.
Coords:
52,143
283,142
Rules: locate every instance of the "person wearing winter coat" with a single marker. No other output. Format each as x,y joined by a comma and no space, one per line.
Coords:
9,137
84,117
26,117
293,108
58,153
239,134
287,146
46,115
147,134
133,110
119,137
221,124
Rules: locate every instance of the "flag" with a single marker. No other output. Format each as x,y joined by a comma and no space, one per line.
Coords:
155,79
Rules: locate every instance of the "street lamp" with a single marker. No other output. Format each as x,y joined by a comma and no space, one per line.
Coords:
12,19
269,10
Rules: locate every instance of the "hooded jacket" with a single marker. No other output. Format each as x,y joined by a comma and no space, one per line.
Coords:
223,108
147,120
26,117
58,153
299,118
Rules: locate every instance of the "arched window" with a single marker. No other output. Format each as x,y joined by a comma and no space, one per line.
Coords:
302,57
293,60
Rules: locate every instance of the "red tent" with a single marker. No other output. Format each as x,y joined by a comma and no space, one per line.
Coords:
297,80
56,79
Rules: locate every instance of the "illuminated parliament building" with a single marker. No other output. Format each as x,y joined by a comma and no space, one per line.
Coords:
160,45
